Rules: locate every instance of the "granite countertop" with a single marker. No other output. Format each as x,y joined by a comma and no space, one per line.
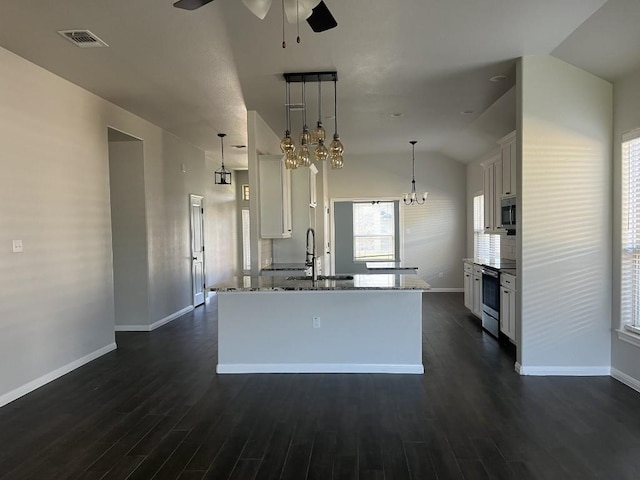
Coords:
274,267
358,282
388,266
501,264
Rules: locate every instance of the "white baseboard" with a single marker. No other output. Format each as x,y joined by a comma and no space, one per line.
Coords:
628,380
316,368
444,289
564,371
153,326
57,373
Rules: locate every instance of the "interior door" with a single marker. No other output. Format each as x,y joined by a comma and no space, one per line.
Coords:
197,248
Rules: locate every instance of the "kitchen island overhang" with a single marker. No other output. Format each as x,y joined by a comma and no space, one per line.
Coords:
370,324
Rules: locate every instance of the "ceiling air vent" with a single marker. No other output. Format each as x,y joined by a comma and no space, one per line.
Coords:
83,38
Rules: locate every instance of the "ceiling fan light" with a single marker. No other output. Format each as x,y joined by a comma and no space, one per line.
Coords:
296,11
259,8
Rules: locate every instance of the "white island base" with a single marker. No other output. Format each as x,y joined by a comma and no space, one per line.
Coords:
356,331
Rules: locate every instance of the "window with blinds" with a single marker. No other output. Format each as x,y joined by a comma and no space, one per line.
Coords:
630,301
484,245
374,230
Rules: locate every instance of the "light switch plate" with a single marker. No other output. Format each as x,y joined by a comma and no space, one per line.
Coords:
17,246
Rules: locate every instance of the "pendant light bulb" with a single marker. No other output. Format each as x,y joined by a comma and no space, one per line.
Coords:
321,153
290,161
319,133
336,148
287,144
304,159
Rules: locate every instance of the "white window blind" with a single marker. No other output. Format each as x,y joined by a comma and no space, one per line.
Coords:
484,245
630,271
374,231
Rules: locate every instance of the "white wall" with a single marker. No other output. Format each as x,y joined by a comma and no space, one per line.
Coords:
564,239
57,298
435,233
624,357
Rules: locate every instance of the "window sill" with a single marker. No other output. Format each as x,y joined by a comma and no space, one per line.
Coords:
629,337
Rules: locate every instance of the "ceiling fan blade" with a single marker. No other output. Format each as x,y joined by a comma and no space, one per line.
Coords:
258,7
191,4
321,19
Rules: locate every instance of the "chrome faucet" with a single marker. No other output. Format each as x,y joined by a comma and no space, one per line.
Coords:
311,259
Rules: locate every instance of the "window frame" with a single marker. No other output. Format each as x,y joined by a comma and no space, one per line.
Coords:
629,330
492,241
394,236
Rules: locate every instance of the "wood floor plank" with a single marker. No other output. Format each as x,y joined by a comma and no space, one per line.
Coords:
155,408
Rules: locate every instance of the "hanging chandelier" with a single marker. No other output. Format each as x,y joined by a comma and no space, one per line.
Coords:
222,175
302,157
411,198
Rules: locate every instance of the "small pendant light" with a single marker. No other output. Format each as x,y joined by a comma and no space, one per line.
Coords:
222,175
336,148
320,134
286,145
304,159
411,198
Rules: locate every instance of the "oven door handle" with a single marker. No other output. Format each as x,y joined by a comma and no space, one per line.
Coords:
490,273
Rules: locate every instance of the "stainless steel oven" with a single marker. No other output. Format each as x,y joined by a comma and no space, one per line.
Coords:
491,300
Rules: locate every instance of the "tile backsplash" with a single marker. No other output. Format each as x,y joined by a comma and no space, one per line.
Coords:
508,247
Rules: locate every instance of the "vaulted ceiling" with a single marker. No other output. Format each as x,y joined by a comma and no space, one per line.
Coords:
196,73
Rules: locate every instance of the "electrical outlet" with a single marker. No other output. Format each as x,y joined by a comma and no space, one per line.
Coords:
316,322
17,246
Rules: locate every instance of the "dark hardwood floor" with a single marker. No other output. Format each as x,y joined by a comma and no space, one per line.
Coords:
155,409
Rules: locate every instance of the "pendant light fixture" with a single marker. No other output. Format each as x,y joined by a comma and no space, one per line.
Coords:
411,198
336,148
222,175
304,159
287,145
318,137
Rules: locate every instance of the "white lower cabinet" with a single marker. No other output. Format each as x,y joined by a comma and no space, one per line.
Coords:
468,285
508,306
473,288
477,291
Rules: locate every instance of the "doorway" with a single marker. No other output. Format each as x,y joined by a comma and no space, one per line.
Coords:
128,231
196,205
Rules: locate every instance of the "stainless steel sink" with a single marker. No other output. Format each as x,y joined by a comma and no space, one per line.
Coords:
323,277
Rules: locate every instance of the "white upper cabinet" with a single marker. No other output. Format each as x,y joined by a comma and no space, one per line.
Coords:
275,197
508,157
492,194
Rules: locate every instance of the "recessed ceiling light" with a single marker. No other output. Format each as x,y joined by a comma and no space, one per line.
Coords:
239,146
329,117
397,115
498,78
466,112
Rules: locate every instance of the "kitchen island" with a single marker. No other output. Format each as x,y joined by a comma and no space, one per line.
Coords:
362,324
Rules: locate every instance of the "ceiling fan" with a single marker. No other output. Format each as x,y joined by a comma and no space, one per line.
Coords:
315,12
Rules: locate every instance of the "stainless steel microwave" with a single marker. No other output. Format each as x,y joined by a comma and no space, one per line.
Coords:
508,213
